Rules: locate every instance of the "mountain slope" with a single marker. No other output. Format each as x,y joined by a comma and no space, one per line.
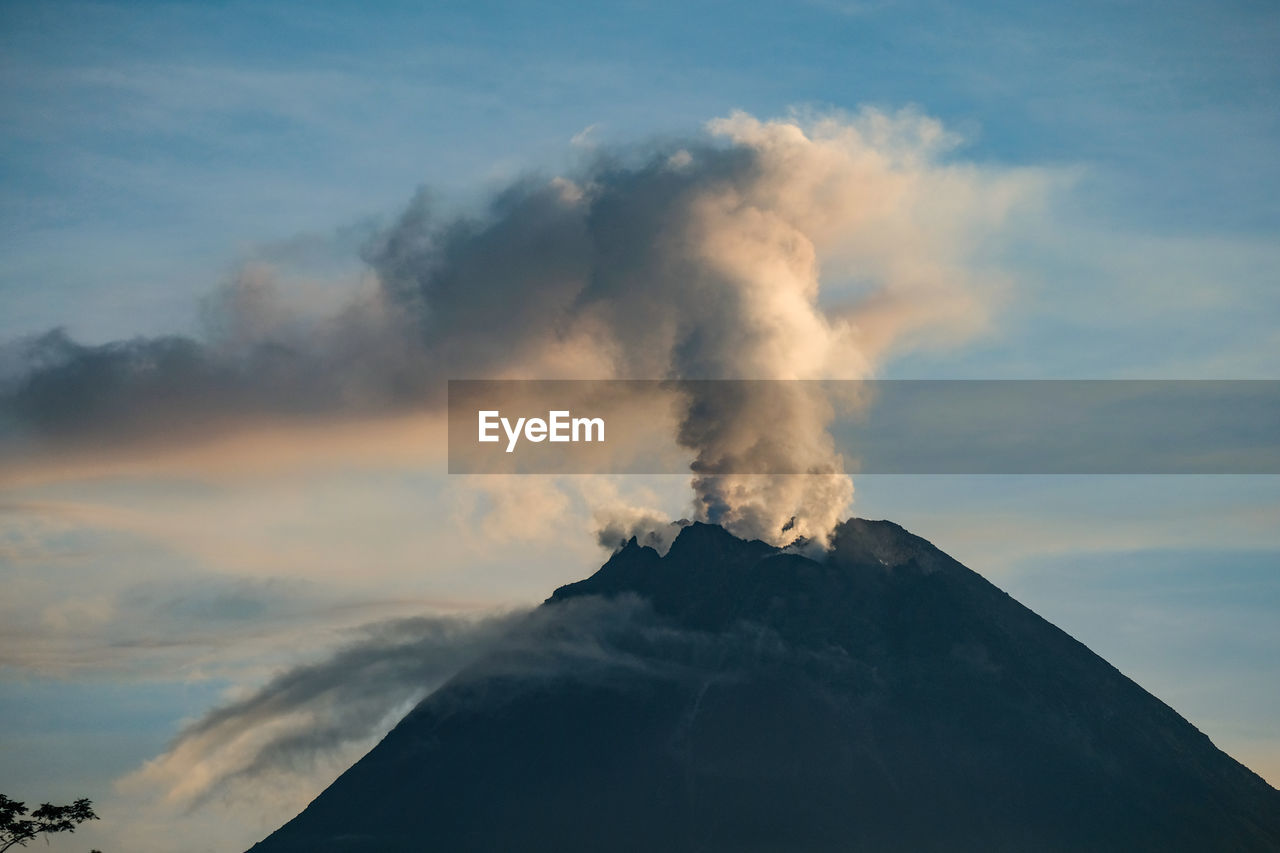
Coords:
741,698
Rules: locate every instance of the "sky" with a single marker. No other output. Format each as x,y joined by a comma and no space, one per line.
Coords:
1100,177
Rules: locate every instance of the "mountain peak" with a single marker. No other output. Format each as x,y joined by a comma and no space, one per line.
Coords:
861,542
883,698
711,541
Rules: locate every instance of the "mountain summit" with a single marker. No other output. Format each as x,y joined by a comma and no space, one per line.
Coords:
732,696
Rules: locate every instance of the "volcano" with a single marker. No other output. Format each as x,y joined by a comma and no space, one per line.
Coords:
742,697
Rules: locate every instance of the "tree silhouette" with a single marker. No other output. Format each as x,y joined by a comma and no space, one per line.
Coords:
17,828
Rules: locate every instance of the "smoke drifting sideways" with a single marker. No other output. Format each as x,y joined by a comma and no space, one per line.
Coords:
319,717
274,747
798,248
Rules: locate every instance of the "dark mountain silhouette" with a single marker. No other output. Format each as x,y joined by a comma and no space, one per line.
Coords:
885,698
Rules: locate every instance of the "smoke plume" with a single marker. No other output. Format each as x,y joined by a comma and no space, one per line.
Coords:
317,718
787,249
291,736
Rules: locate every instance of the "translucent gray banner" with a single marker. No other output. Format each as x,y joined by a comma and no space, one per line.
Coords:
871,426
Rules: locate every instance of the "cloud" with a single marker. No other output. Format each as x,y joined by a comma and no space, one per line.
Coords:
127,577
502,508
585,138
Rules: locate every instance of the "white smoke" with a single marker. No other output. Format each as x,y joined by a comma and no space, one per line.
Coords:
793,249
710,263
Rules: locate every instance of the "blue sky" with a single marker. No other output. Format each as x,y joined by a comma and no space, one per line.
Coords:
150,150
150,144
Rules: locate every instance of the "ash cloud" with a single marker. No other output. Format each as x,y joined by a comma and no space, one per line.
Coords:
789,249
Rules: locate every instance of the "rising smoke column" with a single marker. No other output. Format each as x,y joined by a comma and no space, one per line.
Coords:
706,263
784,250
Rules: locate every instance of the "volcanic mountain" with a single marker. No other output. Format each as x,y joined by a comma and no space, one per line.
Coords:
733,696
